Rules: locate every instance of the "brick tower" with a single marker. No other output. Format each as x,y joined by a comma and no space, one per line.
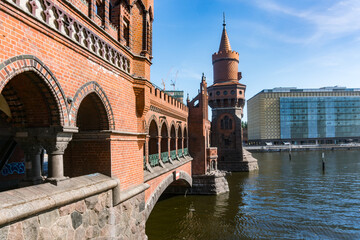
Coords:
206,178
227,99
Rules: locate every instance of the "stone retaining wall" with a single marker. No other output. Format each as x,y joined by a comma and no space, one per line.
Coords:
210,184
92,217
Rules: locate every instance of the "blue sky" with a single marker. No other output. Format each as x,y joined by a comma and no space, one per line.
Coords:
281,43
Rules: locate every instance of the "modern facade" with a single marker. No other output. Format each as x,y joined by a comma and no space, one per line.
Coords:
328,115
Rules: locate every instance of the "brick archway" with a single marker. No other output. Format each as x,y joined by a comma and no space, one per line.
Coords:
161,188
24,64
152,118
82,93
180,138
172,136
185,135
161,125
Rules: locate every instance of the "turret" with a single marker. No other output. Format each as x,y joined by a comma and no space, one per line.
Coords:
225,61
226,90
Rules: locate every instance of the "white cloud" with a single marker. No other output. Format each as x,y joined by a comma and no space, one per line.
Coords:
336,21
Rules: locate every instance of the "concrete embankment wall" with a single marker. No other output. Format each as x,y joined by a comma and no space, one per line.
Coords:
85,207
301,148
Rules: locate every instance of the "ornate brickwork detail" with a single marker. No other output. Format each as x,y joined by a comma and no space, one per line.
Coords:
165,112
152,118
162,122
179,128
56,18
28,63
173,124
86,89
15,103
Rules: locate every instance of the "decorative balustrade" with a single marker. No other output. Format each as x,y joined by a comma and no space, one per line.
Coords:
56,18
165,157
186,151
154,160
173,154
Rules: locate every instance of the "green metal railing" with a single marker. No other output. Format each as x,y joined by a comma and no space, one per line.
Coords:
186,151
154,160
165,157
180,152
173,154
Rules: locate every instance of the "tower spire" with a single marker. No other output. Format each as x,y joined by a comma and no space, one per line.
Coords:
225,43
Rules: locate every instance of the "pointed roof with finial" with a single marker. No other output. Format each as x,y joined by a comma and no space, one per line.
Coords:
225,43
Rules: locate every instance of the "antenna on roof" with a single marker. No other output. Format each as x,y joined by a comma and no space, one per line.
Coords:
224,22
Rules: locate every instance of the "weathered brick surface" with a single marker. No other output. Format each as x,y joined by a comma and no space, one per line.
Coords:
61,79
62,66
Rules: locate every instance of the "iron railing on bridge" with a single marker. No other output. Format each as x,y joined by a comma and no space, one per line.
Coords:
173,154
154,160
165,157
180,152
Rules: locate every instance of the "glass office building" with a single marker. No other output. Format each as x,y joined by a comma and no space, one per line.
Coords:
319,117
328,115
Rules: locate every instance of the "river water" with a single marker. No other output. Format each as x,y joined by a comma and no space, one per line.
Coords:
285,199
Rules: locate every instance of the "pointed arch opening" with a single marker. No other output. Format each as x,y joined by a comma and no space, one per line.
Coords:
28,105
92,114
89,151
180,142
153,146
186,151
172,142
164,143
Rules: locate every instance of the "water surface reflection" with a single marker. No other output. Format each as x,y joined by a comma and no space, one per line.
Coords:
284,199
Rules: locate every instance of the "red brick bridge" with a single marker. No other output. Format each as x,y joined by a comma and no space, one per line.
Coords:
75,82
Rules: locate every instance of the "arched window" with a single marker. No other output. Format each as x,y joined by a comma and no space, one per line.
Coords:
226,123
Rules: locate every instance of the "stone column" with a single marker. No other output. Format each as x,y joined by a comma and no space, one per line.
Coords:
147,149
55,147
169,148
182,144
159,146
148,167
32,150
159,151
176,145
